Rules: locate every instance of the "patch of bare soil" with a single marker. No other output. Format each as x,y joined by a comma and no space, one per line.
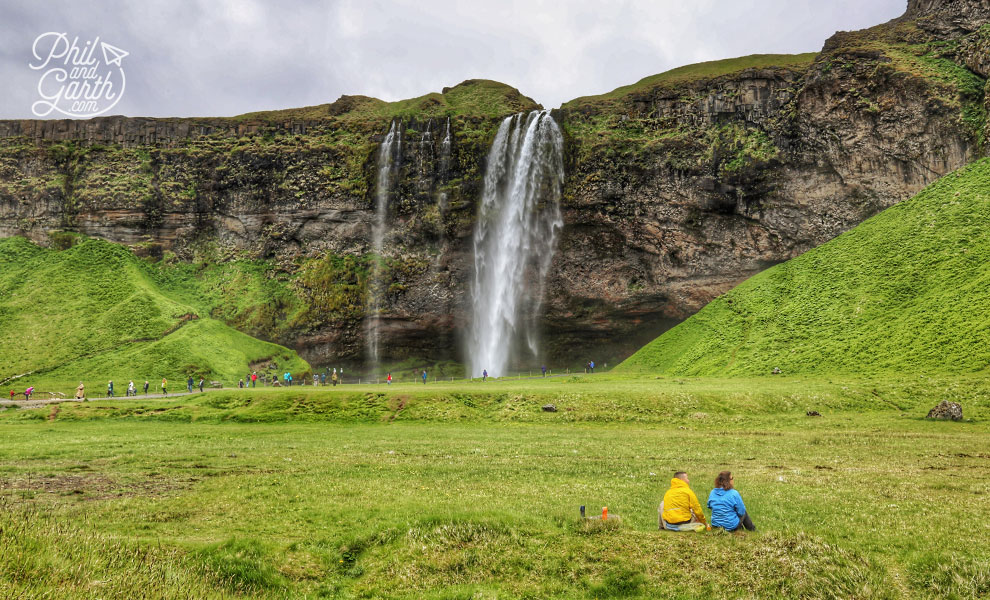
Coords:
89,486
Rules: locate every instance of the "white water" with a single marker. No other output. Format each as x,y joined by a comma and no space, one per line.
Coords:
389,156
445,151
514,240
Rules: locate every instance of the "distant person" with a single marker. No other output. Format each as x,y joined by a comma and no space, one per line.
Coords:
680,509
333,378
12,393
323,379
484,374
290,378
201,382
164,387
388,380
80,392
254,379
110,389
544,368
189,384
592,365
146,387
28,392
316,379
728,510
424,377
240,383
341,378
131,391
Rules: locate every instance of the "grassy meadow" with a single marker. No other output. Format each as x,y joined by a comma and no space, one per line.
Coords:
471,490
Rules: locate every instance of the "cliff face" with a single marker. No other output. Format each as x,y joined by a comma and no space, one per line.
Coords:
678,187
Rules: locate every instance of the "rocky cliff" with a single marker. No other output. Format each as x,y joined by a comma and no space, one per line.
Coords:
678,187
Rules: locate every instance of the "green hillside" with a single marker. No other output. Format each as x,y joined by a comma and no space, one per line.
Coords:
905,291
95,312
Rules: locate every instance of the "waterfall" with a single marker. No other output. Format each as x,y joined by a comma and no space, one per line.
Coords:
445,151
445,146
389,157
514,239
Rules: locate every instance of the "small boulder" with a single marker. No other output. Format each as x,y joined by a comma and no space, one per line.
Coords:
813,413
549,408
946,410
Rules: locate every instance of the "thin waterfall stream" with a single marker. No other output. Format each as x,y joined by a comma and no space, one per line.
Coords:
389,158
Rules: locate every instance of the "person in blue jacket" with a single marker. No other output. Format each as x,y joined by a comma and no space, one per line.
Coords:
728,510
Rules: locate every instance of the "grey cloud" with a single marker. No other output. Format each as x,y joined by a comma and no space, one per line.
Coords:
207,57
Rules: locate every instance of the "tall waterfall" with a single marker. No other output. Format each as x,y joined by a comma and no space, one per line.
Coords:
389,157
514,239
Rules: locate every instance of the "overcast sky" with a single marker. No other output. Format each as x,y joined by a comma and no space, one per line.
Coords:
226,57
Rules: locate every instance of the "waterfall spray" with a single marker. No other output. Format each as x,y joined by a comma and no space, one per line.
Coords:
389,157
514,239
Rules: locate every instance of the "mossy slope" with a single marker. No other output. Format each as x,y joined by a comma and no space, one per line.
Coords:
905,291
95,310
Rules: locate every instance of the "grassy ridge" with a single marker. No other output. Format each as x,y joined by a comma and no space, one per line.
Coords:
703,70
95,310
731,402
906,290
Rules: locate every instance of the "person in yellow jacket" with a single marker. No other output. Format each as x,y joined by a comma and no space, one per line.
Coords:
680,509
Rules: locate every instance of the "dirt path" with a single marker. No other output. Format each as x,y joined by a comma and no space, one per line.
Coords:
39,402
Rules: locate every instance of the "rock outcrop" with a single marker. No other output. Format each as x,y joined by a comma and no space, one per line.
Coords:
678,187
948,411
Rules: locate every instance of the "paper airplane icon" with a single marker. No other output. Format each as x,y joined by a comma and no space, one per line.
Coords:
113,51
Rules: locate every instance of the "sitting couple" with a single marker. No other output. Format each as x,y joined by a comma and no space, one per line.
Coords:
680,510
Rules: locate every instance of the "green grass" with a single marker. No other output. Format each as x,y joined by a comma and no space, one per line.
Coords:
471,98
699,71
471,491
904,291
95,311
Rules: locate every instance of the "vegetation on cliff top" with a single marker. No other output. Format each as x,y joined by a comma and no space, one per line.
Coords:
96,311
696,72
472,98
905,291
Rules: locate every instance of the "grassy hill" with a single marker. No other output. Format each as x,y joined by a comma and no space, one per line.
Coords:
904,291
96,312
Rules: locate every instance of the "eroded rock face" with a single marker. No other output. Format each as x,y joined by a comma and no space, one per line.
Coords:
948,17
676,191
